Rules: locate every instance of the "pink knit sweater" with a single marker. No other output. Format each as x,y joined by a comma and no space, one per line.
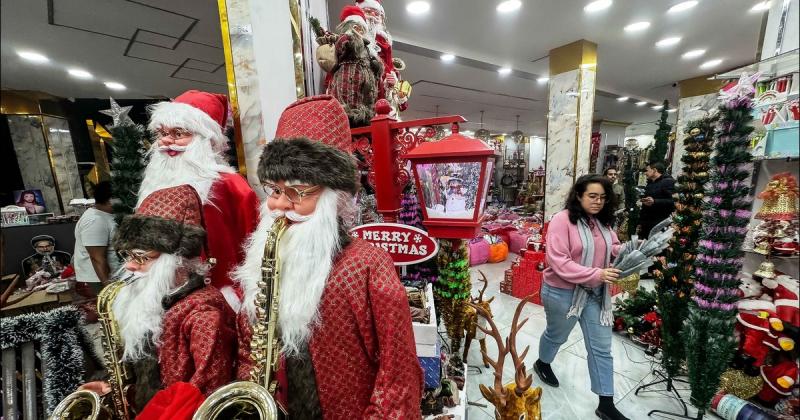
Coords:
564,269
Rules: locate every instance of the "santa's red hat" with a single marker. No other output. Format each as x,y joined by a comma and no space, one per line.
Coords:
202,113
778,380
319,118
352,13
371,4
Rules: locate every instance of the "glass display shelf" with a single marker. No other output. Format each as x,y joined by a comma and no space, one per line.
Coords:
770,68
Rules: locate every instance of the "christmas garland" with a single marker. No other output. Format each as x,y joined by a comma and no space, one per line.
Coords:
659,151
127,166
453,289
674,271
61,334
709,329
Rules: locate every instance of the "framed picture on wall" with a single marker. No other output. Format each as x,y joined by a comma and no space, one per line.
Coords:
31,200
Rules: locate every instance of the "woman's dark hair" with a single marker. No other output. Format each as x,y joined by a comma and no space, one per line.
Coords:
573,204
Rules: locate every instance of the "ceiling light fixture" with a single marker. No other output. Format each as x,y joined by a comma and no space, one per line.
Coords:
418,7
509,6
622,98
33,57
668,42
80,74
637,26
504,70
641,103
543,79
115,86
597,6
760,7
657,107
688,55
711,63
447,57
680,7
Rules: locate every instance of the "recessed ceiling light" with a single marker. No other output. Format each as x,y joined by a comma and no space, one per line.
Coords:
543,79
680,7
622,98
115,86
668,42
504,70
33,57
504,134
80,74
447,57
509,6
657,107
711,63
641,103
597,5
671,110
693,54
760,7
418,7
637,26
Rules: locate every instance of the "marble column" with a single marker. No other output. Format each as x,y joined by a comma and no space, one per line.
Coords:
573,71
30,146
698,100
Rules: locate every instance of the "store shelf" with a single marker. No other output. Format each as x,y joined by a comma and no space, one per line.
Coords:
770,68
776,158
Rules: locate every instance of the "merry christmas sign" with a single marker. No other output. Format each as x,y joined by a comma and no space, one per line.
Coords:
406,244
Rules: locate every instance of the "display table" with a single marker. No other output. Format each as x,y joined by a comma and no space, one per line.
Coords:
17,242
37,301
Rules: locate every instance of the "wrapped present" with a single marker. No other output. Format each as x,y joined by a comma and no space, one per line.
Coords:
505,284
478,251
432,368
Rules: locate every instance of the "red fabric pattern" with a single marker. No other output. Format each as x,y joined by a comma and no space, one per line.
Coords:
363,351
198,341
178,203
231,214
319,118
177,402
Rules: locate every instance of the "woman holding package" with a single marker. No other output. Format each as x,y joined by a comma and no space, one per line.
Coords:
580,246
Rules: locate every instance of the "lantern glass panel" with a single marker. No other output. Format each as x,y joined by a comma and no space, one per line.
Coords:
486,179
450,189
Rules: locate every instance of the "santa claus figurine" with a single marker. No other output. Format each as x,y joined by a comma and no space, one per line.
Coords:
188,149
778,381
174,327
785,296
345,325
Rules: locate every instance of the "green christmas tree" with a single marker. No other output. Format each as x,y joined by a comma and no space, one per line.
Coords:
674,271
452,289
127,166
709,328
661,146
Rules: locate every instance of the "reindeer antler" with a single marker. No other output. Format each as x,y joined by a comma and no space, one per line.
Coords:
502,350
522,380
485,285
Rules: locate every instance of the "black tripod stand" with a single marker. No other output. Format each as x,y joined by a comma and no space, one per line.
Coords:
670,387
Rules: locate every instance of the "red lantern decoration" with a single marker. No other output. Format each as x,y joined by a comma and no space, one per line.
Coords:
452,177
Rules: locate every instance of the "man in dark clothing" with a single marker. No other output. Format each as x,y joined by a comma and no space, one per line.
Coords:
657,201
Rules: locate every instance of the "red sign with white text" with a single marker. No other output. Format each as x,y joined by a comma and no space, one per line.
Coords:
406,244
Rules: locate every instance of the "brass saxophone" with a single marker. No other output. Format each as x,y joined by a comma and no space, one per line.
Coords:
254,398
85,404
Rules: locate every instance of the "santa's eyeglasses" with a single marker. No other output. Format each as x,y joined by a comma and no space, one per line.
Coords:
173,133
136,255
292,194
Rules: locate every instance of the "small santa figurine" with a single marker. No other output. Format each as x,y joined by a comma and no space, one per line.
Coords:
189,149
785,296
778,381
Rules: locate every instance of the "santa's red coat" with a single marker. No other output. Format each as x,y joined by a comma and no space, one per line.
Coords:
230,214
198,341
363,350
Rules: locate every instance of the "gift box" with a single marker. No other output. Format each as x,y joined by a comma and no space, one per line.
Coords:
505,285
426,336
527,276
432,368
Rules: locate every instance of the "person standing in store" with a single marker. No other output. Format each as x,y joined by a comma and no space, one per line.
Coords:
580,245
619,189
657,201
343,315
94,258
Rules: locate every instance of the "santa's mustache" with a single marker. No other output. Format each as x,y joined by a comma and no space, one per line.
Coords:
131,276
173,148
291,215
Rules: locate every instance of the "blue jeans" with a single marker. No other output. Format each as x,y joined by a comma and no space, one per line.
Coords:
596,337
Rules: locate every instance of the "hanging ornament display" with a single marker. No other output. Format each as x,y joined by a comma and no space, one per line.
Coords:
780,198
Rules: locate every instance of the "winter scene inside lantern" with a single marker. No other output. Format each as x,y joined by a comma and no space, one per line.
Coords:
452,178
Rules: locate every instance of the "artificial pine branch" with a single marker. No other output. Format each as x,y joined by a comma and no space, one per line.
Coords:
452,290
127,167
708,332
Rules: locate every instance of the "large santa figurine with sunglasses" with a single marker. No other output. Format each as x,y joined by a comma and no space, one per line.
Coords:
347,347
189,149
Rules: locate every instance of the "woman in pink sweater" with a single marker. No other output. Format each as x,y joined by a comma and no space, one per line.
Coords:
580,245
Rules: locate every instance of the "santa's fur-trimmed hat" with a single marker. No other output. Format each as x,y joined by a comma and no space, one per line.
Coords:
202,113
370,4
168,220
352,13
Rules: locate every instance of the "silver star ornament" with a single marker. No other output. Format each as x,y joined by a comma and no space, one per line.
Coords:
118,113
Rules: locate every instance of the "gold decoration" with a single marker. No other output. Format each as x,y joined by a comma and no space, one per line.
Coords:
766,270
780,198
629,284
737,383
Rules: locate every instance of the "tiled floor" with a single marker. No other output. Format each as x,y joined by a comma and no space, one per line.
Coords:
573,399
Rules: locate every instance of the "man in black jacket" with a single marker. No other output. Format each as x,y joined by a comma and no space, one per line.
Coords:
657,202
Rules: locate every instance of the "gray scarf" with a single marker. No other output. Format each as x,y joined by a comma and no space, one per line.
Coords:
581,293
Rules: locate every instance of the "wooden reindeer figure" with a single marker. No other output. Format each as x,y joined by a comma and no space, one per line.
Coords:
471,320
516,400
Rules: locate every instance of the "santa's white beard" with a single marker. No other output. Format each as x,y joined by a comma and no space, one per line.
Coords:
306,253
199,166
138,309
